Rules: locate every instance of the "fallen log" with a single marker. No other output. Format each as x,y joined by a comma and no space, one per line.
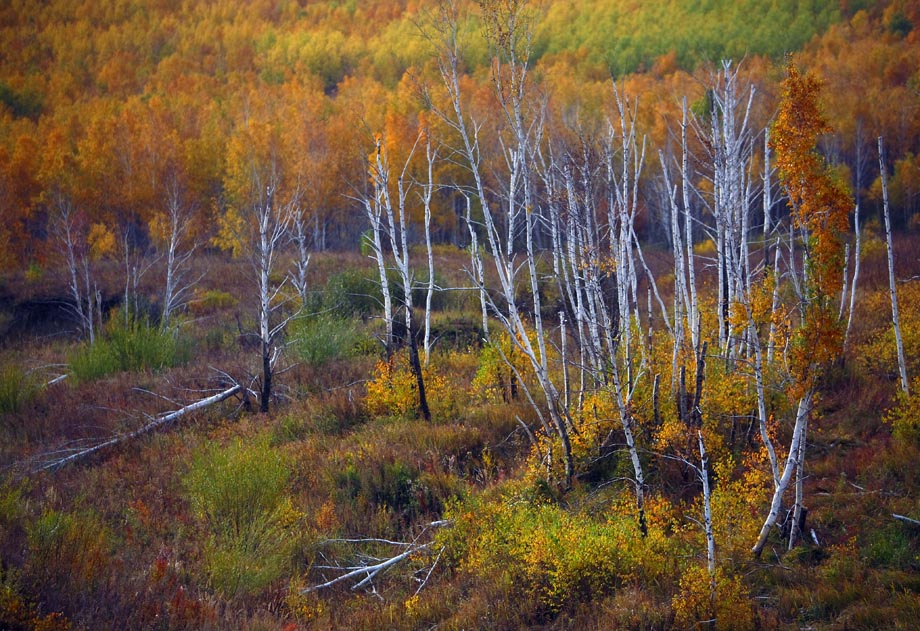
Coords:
159,421
908,520
371,570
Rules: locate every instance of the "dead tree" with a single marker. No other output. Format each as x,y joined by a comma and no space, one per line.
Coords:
393,223
63,457
179,252
69,226
513,218
892,286
300,237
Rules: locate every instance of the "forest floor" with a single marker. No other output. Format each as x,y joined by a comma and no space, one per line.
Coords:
227,518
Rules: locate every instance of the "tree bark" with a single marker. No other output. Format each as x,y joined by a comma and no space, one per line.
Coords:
892,286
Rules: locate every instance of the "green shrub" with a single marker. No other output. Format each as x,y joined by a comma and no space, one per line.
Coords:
325,337
132,347
350,293
892,546
16,389
238,491
12,502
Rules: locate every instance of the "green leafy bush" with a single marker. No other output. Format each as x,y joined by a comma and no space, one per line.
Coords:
16,388
325,337
350,293
238,491
131,347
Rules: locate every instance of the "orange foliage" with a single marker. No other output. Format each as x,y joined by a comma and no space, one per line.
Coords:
820,208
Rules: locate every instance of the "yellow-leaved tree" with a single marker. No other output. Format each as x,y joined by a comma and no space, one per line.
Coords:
820,206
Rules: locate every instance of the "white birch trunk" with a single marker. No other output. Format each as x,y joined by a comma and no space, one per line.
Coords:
707,520
892,286
798,436
857,254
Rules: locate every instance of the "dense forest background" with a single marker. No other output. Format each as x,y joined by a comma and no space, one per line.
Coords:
454,314
107,102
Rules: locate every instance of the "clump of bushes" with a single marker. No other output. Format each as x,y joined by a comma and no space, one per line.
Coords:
325,337
17,387
206,302
554,556
240,493
128,347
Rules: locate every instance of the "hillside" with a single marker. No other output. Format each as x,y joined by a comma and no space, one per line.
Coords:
391,315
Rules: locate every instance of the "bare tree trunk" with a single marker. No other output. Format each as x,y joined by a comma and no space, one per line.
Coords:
798,436
798,509
373,207
693,308
396,229
161,421
302,260
892,286
857,254
178,256
272,221
82,288
427,191
707,523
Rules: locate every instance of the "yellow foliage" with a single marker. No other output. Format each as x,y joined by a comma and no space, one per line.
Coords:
326,519
230,230
559,556
731,608
101,241
737,503
159,228
880,354
303,607
394,392
705,248
905,416
495,380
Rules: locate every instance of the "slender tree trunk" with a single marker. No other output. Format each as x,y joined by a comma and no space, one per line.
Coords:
798,436
707,523
893,289
857,254
417,367
798,509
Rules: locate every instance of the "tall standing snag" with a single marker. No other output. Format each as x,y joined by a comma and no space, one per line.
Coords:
892,286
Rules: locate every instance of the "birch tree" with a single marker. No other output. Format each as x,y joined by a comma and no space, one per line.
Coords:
389,219
72,232
513,218
263,205
892,285
820,209
729,141
171,229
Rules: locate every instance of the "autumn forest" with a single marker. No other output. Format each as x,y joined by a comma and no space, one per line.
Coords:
459,314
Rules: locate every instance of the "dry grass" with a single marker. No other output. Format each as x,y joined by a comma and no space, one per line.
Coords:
114,542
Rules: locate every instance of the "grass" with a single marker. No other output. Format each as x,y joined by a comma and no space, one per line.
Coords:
17,388
318,339
131,347
238,491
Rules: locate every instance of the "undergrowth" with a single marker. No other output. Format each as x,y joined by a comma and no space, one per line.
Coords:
135,346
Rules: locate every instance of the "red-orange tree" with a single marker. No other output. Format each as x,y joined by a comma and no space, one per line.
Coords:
820,206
